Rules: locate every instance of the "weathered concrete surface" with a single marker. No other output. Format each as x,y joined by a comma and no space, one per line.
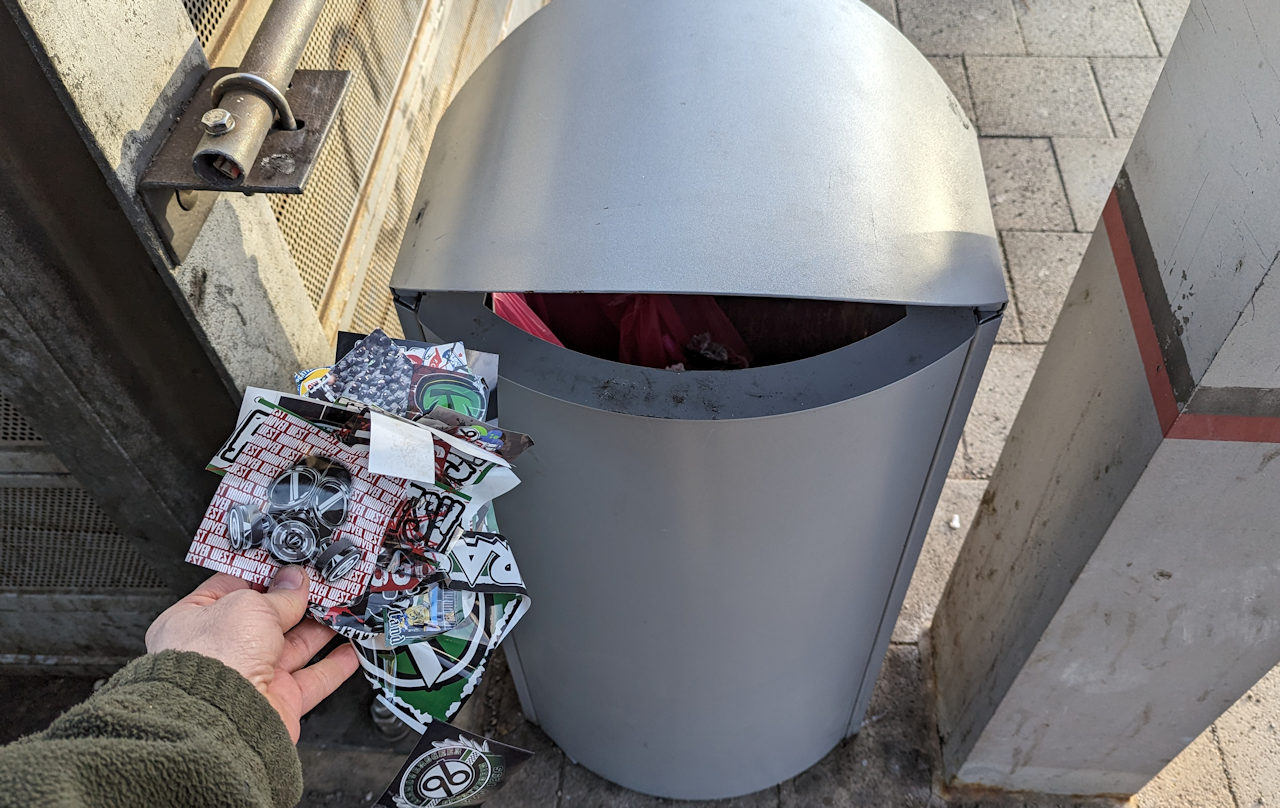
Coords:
127,69
1089,167
1003,592
1126,86
890,760
1024,185
1027,96
1008,375
244,289
90,334
1248,358
1042,266
1117,591
1098,28
952,27
1205,188
1157,636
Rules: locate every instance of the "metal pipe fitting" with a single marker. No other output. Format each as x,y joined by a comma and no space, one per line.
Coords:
254,98
217,122
249,81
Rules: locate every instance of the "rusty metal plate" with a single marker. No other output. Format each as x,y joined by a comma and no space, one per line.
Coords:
287,157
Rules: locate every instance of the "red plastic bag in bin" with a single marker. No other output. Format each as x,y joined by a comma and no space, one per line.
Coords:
690,332
512,307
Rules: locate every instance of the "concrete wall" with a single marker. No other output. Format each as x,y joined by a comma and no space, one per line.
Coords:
131,366
126,68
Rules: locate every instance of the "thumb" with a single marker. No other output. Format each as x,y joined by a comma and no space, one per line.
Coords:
288,595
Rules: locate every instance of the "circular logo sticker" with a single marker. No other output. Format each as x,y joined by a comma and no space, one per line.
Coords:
453,773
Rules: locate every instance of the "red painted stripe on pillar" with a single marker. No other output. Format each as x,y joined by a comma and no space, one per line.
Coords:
1173,424
1247,428
1140,317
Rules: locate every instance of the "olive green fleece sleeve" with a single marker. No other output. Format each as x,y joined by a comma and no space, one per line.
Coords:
169,729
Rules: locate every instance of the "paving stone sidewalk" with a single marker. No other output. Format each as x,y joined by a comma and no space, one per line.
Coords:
1056,89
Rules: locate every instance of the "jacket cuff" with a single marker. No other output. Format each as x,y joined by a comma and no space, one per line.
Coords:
211,681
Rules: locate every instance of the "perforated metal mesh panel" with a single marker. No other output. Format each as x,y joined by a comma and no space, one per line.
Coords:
482,25
206,16
13,427
370,38
373,305
54,536
58,538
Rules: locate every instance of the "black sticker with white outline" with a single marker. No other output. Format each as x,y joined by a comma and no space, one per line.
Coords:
451,767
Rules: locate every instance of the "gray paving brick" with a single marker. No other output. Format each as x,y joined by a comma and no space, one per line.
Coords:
357,775
1036,96
1010,332
1126,86
887,9
1042,266
937,557
1089,168
999,396
1093,28
951,68
537,782
1024,186
888,762
1194,779
582,789
1164,17
954,27
1249,736
1011,324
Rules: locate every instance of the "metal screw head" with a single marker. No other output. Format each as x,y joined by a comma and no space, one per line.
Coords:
218,121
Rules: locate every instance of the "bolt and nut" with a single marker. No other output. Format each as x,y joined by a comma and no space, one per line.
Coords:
218,121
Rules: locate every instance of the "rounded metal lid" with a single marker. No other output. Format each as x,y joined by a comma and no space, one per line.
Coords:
789,148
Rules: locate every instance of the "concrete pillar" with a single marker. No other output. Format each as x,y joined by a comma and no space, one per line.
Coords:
1119,588
129,366
126,68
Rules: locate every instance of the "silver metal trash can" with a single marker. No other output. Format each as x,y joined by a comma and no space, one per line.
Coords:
717,558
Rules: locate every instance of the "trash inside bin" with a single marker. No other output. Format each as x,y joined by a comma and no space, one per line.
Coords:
694,332
719,520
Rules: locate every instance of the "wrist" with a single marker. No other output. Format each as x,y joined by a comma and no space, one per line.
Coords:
206,678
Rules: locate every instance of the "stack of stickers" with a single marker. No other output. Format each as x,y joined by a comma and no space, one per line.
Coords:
379,474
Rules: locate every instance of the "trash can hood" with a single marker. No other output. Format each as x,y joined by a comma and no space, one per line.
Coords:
786,148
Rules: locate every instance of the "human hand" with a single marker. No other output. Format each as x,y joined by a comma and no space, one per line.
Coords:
264,636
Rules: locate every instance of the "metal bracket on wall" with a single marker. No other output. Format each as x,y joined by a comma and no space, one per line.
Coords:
179,200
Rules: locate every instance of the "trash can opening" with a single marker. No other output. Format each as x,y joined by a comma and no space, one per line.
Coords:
693,332
804,354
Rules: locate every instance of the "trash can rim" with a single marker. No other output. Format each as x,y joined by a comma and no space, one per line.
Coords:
922,337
